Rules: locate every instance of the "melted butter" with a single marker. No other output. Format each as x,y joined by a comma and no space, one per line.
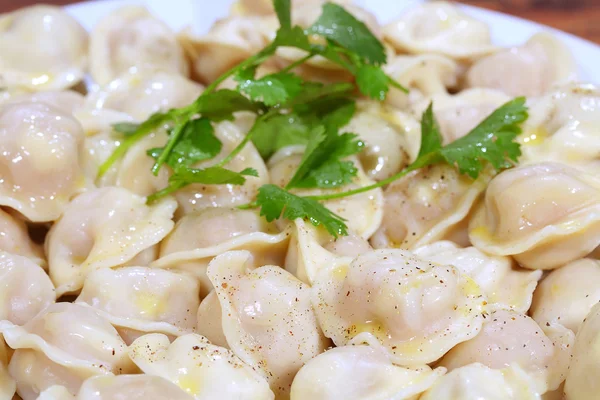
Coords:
190,384
374,327
481,232
149,303
340,273
555,290
535,137
470,287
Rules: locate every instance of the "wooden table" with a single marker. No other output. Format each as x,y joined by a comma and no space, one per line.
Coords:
583,20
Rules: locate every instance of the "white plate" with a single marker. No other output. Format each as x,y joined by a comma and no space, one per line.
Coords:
200,14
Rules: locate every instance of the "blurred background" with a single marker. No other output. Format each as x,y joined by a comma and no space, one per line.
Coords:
579,17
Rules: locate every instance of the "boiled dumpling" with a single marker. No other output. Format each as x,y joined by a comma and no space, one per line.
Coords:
143,92
567,294
425,206
63,345
141,299
120,387
563,126
41,150
417,309
210,323
582,380
388,144
267,318
360,373
424,75
363,212
131,37
528,70
442,28
504,285
103,228
229,42
544,215
313,249
201,369
7,383
68,101
14,238
510,338
476,382
25,289
43,48
459,113
200,236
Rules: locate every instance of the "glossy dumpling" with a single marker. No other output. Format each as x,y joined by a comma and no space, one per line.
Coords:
567,294
425,206
68,101
41,150
131,37
504,285
563,126
120,387
442,28
417,309
198,367
267,318
25,289
7,383
424,75
210,322
360,373
43,48
228,42
528,70
14,238
313,249
582,381
142,92
363,212
200,236
141,299
388,144
459,113
544,215
509,338
90,234
135,173
63,345
476,381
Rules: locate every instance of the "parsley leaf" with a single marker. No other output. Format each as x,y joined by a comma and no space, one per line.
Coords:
275,202
372,81
280,131
210,176
338,25
493,140
271,89
431,138
321,165
220,105
197,143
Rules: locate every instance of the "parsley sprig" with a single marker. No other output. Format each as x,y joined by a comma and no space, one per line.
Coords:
292,111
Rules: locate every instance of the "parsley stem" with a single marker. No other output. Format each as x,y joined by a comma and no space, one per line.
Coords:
297,63
127,143
247,206
173,139
363,189
163,192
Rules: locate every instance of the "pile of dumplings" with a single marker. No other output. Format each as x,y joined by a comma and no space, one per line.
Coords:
446,288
